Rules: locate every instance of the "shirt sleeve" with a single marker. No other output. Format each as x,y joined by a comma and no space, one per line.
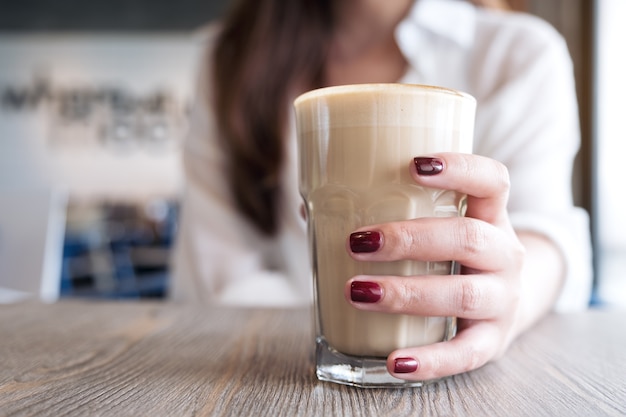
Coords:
218,256
533,105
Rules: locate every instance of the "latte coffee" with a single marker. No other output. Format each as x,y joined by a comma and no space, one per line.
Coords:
356,144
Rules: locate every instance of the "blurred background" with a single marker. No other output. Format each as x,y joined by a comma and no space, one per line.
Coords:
94,98
93,104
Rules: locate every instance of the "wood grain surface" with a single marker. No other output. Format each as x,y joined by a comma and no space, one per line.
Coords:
154,359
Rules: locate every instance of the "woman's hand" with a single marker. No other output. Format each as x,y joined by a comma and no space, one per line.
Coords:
485,297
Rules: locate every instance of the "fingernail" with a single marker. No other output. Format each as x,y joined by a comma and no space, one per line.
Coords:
365,292
428,166
365,242
405,365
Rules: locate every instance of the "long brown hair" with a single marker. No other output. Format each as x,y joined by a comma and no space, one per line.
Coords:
267,51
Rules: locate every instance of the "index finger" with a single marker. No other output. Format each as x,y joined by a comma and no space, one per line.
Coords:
485,181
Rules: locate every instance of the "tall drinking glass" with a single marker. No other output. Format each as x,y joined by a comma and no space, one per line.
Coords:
355,146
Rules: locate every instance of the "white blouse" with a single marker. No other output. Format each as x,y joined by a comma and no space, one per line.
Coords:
519,70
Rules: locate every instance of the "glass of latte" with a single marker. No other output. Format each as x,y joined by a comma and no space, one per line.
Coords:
355,145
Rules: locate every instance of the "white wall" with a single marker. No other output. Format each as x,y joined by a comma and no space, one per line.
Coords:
92,147
611,123
611,149
81,118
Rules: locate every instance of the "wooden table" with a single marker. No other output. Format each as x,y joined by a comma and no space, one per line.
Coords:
156,359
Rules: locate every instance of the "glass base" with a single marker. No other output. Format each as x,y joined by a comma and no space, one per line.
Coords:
358,371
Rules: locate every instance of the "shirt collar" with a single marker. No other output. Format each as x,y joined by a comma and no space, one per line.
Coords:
453,20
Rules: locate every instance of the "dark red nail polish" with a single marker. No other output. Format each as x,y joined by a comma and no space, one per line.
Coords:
405,365
365,292
365,242
428,166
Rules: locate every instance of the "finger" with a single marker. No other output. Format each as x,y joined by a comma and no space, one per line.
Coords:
473,243
470,297
484,180
470,349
